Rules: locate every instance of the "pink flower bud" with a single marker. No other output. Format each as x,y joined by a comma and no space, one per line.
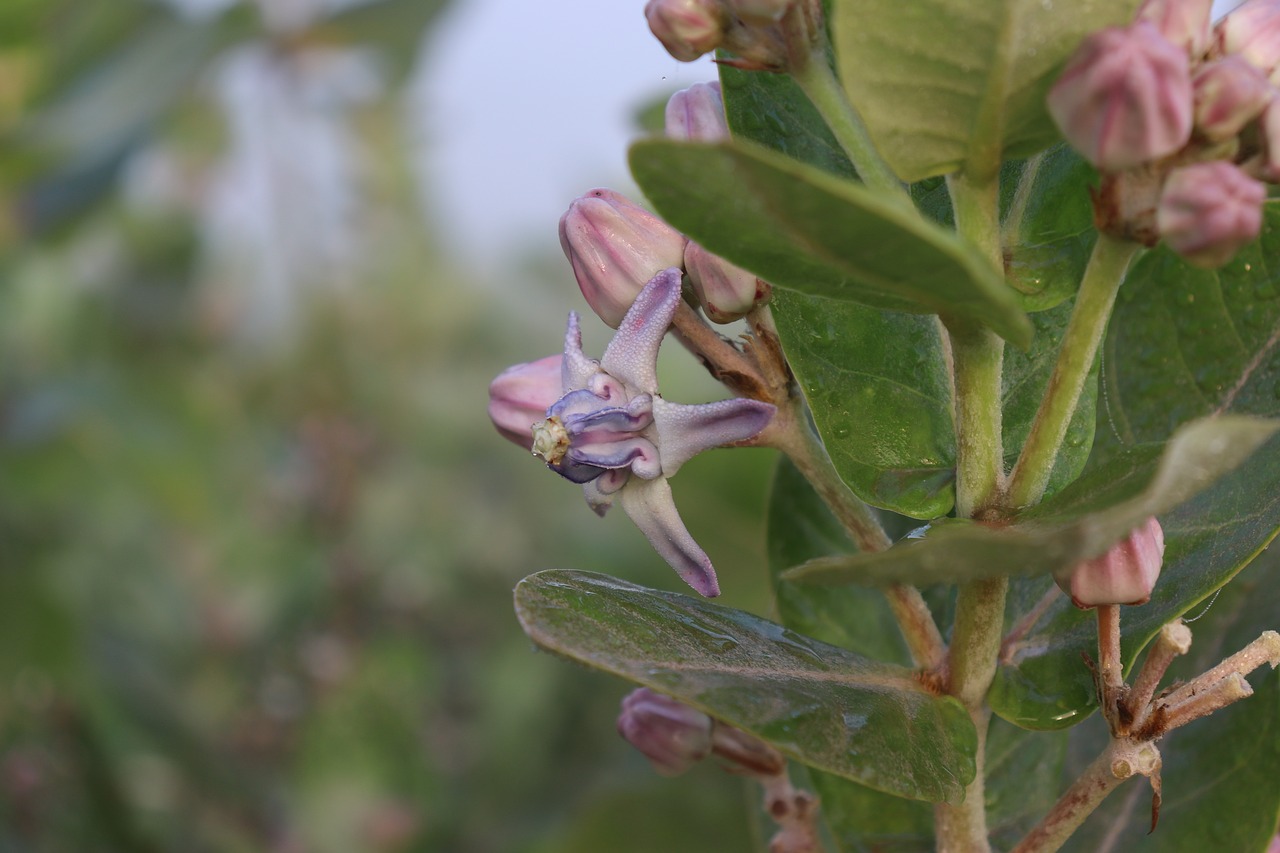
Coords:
616,247
760,11
687,28
673,736
726,292
1208,211
1229,93
1124,98
696,114
520,396
1126,574
1252,32
1183,22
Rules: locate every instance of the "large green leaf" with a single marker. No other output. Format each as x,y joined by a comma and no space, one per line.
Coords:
1080,522
820,704
1221,789
1184,343
877,385
804,229
973,91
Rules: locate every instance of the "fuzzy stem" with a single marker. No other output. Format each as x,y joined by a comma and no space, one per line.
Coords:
1111,685
1120,760
1264,650
1102,278
963,828
790,433
820,85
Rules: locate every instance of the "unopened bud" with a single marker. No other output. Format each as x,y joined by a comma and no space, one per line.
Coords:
1125,574
1229,93
687,28
726,292
760,11
615,247
1124,98
1185,23
1208,211
1252,32
520,395
669,733
696,114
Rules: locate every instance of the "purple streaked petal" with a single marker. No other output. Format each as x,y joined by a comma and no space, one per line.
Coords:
576,404
650,506
685,431
637,454
632,355
600,491
575,470
519,396
612,423
577,369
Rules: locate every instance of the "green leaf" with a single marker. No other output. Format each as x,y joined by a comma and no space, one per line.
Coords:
1080,522
877,385
803,229
770,109
1023,384
1183,343
820,704
1048,231
974,90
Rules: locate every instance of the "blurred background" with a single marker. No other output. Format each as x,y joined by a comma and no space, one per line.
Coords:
258,263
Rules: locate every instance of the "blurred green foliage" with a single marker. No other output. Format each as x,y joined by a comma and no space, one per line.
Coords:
255,593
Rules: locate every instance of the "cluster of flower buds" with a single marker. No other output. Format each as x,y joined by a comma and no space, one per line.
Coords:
615,246
1183,122
1124,574
749,29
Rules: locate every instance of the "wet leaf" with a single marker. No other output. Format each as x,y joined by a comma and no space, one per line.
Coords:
804,229
974,90
877,385
822,705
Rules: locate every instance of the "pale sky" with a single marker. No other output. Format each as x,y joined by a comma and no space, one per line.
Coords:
529,105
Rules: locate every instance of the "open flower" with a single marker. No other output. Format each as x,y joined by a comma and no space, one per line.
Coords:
613,433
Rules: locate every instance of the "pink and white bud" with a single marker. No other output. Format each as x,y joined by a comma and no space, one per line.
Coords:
1124,98
1252,32
1185,23
696,114
615,247
1125,574
520,395
760,11
726,292
1208,211
687,28
1228,93
1270,125
673,736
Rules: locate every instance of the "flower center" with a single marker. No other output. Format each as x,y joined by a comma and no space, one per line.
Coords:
550,440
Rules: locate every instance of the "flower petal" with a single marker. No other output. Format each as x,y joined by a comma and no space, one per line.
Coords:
685,431
520,395
649,504
632,355
600,491
636,454
577,368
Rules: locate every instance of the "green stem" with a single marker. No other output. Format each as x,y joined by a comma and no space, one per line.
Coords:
791,434
1102,279
977,358
820,85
